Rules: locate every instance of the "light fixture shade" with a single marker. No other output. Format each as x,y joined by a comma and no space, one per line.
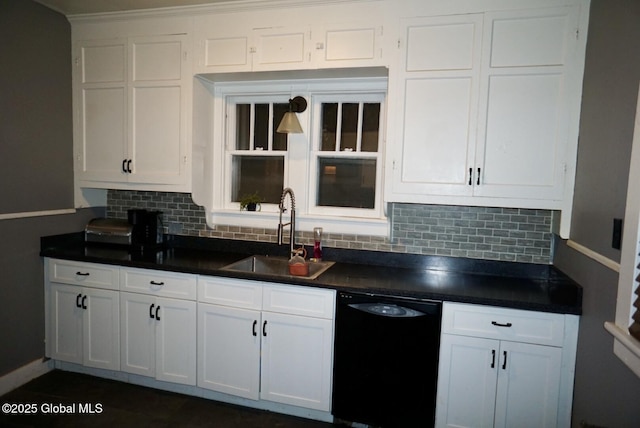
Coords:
289,124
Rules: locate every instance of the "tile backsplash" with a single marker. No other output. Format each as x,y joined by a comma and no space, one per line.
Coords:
507,234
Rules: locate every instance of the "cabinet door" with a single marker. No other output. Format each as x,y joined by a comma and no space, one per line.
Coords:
528,385
176,341
438,79
159,109
348,45
229,350
66,323
526,113
101,329
100,118
223,43
297,357
466,381
137,333
281,48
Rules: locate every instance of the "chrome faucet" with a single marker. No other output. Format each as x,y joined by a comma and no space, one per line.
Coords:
292,221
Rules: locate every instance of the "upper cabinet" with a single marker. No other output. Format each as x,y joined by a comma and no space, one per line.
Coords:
132,112
487,108
288,40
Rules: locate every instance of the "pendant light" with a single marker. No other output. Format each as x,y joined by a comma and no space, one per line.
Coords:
289,123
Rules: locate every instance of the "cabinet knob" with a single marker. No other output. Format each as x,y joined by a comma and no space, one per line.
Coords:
264,328
255,323
158,313
151,311
84,300
78,305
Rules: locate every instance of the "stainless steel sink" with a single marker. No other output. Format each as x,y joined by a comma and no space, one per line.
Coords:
275,266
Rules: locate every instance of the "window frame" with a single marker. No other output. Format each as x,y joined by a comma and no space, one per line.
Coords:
231,101
316,153
297,156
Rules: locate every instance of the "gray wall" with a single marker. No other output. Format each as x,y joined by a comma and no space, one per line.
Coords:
35,167
606,391
35,108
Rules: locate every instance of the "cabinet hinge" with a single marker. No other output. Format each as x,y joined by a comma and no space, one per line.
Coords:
399,42
577,33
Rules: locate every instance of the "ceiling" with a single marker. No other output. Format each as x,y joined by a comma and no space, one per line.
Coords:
76,7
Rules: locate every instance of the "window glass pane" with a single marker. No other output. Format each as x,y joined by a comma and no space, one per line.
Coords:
279,140
349,131
346,182
261,127
243,124
370,127
329,126
262,174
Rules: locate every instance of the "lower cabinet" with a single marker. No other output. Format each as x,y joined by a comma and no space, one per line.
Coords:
501,368
158,337
266,341
83,314
84,325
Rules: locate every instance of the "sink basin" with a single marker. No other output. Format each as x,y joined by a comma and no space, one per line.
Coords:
275,266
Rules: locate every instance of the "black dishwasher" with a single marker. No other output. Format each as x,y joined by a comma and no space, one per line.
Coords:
386,360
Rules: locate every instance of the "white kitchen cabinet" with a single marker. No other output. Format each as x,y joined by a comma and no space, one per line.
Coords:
83,321
238,42
265,341
488,108
297,360
439,78
158,334
131,103
501,368
350,44
303,38
229,350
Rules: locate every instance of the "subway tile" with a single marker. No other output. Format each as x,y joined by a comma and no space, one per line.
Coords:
508,234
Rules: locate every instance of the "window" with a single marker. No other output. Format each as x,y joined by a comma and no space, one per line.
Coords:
257,155
334,167
346,160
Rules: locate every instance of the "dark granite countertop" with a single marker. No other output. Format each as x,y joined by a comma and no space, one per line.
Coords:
506,284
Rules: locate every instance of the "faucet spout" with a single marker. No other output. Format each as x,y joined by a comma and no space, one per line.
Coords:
292,219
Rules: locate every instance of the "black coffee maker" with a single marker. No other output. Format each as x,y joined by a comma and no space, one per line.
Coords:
148,231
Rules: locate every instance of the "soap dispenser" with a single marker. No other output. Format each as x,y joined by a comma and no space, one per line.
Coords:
317,244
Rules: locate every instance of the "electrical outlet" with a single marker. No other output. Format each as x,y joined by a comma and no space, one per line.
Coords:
616,242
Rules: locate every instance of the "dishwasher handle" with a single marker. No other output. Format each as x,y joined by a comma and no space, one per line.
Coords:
387,310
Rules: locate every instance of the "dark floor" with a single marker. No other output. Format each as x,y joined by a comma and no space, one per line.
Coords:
126,405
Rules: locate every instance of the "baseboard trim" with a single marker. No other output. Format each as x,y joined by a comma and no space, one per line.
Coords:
24,374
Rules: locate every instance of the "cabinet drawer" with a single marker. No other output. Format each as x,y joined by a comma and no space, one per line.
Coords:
230,292
158,283
503,324
84,274
299,300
